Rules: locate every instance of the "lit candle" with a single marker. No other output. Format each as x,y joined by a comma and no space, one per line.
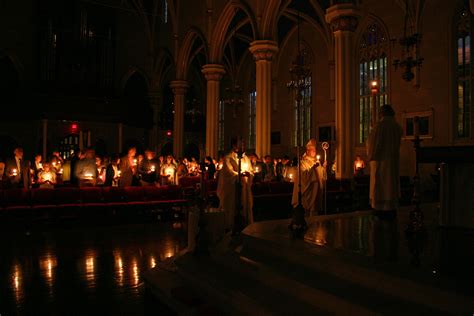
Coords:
257,169
244,166
88,175
54,163
119,173
358,165
169,171
14,172
290,176
318,157
135,162
153,168
46,176
60,171
40,165
219,166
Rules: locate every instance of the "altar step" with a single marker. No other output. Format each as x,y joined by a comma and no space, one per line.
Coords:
261,282
348,279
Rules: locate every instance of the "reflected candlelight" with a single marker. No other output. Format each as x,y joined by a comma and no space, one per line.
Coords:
135,272
118,268
90,265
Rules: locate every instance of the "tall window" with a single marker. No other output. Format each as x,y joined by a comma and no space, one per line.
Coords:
221,125
303,122
252,115
372,66
165,11
464,75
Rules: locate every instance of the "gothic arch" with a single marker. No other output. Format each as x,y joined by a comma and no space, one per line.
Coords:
130,72
219,35
186,53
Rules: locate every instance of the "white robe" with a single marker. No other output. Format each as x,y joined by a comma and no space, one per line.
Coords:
312,180
228,177
383,151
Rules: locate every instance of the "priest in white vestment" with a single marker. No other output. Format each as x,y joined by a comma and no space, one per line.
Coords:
313,177
226,186
383,151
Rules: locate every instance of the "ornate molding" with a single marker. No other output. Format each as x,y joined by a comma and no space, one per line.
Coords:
213,72
343,17
263,49
344,23
179,87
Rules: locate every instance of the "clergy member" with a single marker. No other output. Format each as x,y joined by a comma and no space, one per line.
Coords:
226,186
313,175
383,151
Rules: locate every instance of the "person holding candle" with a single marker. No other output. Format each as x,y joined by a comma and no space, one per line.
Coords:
112,173
168,171
383,151
5,182
226,185
359,166
86,169
128,168
18,170
148,169
47,177
313,175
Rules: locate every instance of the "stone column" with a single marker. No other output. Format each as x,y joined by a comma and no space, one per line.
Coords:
120,138
45,139
179,88
263,52
154,98
343,19
213,74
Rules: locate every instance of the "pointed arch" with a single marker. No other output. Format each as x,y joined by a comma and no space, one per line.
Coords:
221,28
186,53
130,72
269,18
165,65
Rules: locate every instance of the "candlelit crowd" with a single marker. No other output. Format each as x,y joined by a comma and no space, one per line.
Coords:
85,168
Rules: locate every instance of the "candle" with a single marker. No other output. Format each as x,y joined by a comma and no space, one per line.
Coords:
54,163
135,162
244,166
88,175
14,172
46,177
119,173
153,168
257,169
318,157
60,171
169,171
290,176
219,166
40,165
358,165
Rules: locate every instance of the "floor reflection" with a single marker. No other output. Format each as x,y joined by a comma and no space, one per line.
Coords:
81,270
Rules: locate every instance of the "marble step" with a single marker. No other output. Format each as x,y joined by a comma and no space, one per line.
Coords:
349,279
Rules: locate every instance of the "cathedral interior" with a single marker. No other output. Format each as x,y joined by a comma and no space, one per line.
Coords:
184,78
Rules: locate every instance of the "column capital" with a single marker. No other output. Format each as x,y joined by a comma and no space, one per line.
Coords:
343,17
179,86
213,72
263,49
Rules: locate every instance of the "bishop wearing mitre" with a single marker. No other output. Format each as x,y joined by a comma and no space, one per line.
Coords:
313,176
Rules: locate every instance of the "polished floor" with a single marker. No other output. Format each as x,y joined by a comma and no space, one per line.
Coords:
82,269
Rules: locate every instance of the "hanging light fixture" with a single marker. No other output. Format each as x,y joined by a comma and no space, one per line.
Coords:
299,71
410,45
233,94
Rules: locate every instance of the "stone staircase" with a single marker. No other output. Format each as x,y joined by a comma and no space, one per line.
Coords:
268,273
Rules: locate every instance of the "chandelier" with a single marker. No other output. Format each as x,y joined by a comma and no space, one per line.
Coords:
299,71
410,44
234,98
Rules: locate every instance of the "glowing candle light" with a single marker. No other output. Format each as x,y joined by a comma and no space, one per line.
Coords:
152,168
219,166
40,165
245,166
318,157
119,173
257,169
88,175
358,165
135,162
169,171
14,172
